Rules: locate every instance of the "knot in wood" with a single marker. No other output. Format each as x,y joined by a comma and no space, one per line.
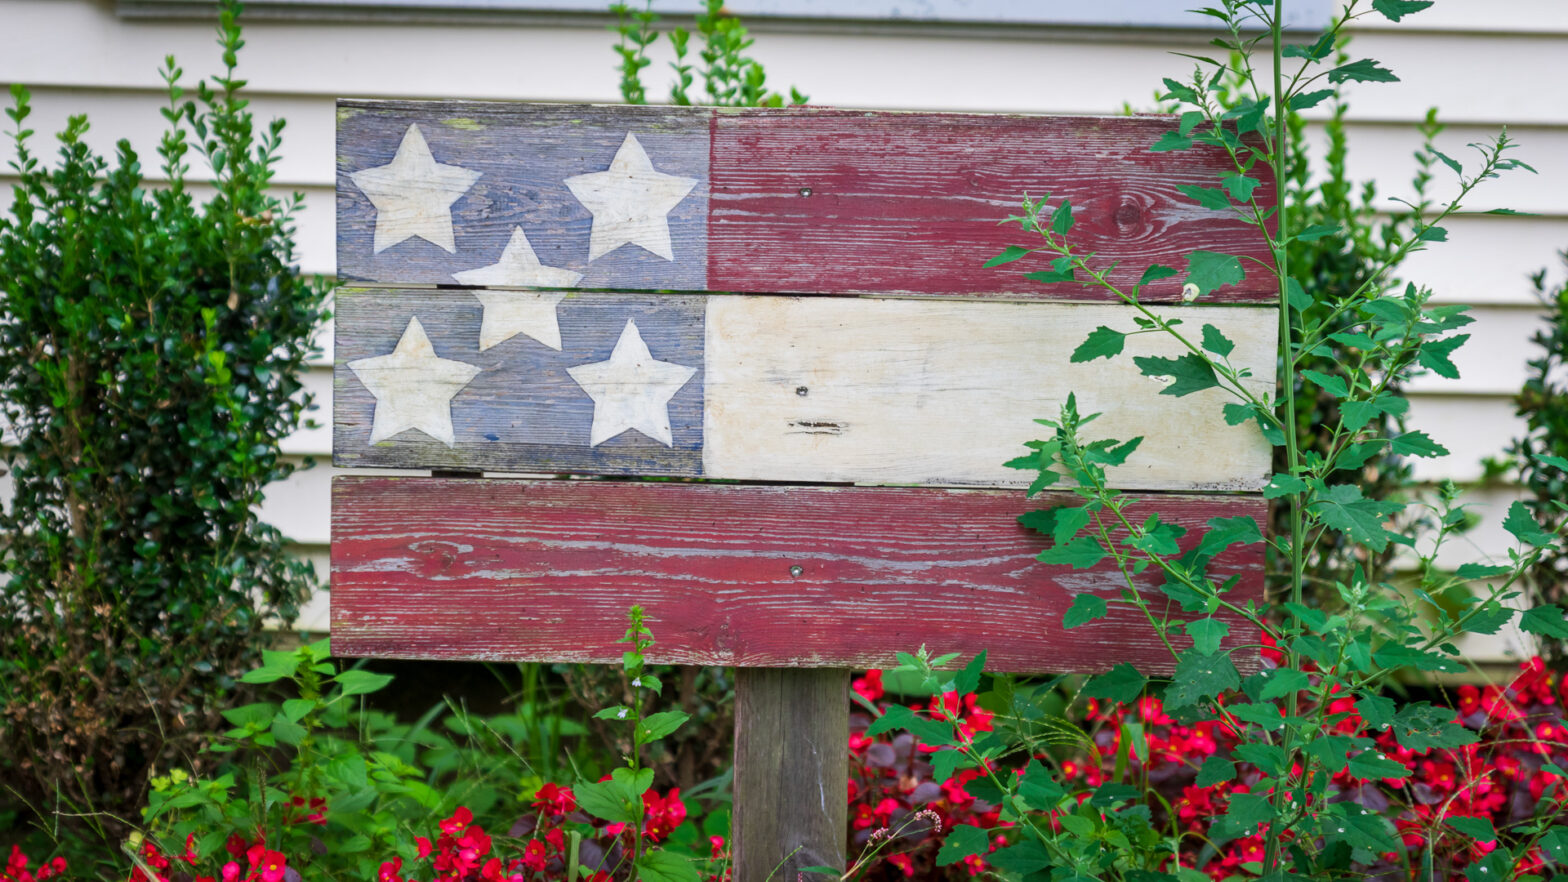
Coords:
1129,213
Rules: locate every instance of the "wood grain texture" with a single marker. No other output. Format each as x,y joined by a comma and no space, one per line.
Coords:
808,389
840,201
524,411
750,576
790,771
802,200
524,153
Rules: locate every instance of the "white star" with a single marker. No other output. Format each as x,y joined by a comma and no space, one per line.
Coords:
413,387
413,194
631,390
630,202
508,314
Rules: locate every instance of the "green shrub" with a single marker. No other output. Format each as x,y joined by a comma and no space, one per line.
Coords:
151,348
1541,454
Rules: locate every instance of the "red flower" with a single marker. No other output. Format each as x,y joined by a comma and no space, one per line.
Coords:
389,871
662,814
534,856
870,686
460,819
555,801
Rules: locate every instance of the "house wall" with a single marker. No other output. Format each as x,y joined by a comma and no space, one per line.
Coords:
1484,63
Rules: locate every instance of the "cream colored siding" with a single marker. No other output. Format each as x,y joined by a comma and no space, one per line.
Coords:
1484,63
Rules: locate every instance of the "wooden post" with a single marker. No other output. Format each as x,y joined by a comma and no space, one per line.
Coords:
791,771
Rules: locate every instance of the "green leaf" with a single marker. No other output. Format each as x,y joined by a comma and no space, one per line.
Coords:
968,679
1216,342
1080,554
1471,571
609,801
1022,859
1323,48
1245,813
1435,355
1225,532
287,731
1209,271
945,762
1433,234
1556,462
1122,683
1342,507
1394,10
1284,682
964,840
927,731
361,682
1394,656
1372,764
1297,297
1154,273
1547,620
1086,608
1363,71
1448,160
1495,864
1008,255
1102,342
1521,524
1239,186
1214,771
656,726
1555,844
1350,823
1039,791
665,866
1170,141
1208,197
1062,218
1206,634
257,714
1416,444
275,666
1265,716
1333,385
1283,485
1304,100
296,708
1423,726
1199,676
1317,231
1189,372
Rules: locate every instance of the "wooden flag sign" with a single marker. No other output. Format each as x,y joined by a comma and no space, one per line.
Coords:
636,292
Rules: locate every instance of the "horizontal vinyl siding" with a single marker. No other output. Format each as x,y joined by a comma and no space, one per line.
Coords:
1484,64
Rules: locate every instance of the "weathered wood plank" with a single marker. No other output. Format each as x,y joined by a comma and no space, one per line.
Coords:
526,157
808,389
743,575
790,772
841,201
802,200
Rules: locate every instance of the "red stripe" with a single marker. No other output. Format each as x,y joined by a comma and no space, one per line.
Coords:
853,202
495,569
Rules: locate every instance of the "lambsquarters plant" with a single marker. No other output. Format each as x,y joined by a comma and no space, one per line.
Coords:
1300,725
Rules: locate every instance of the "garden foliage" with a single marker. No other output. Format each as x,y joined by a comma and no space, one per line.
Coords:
1541,454
730,77
151,347
1299,733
